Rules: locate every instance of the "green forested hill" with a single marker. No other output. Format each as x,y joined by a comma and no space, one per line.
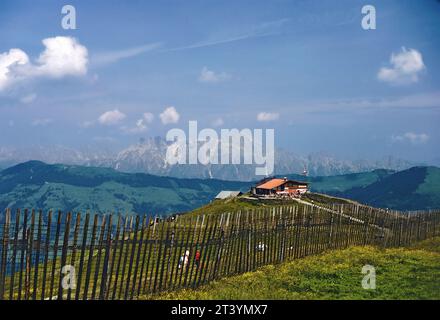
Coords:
413,189
416,188
75,188
342,183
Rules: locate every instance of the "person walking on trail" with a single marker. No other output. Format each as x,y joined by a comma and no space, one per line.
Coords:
197,258
261,246
183,261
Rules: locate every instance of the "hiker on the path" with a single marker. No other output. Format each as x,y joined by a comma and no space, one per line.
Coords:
179,266
261,247
185,262
184,259
197,258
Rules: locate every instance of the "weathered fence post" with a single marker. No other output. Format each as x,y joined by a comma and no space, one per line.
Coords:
37,255
113,243
64,255
83,253
29,256
108,244
4,255
132,254
90,258
73,256
220,248
157,264
46,255
14,255
330,233
144,255
27,274
23,253
138,255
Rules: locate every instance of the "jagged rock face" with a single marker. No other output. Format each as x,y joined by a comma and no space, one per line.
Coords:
149,156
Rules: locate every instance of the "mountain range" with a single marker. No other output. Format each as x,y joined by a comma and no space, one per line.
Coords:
149,156
43,186
38,185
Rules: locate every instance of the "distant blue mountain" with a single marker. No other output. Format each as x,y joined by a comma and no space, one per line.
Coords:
38,185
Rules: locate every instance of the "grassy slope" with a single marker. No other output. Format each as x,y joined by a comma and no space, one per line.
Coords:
412,189
431,185
237,204
403,273
341,183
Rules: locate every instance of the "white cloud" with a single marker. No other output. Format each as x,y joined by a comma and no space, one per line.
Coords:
406,67
210,76
148,117
111,117
8,60
169,115
41,122
63,56
218,122
139,127
411,137
141,124
267,116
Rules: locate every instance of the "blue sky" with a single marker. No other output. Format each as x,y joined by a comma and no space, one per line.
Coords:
305,68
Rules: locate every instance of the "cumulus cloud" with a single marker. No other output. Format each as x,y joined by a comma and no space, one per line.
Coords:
267,116
111,117
210,76
63,56
169,115
8,61
405,68
411,137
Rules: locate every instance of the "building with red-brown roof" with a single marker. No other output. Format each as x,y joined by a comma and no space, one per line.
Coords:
280,187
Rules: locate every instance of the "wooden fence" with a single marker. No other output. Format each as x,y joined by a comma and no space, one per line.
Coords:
75,256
